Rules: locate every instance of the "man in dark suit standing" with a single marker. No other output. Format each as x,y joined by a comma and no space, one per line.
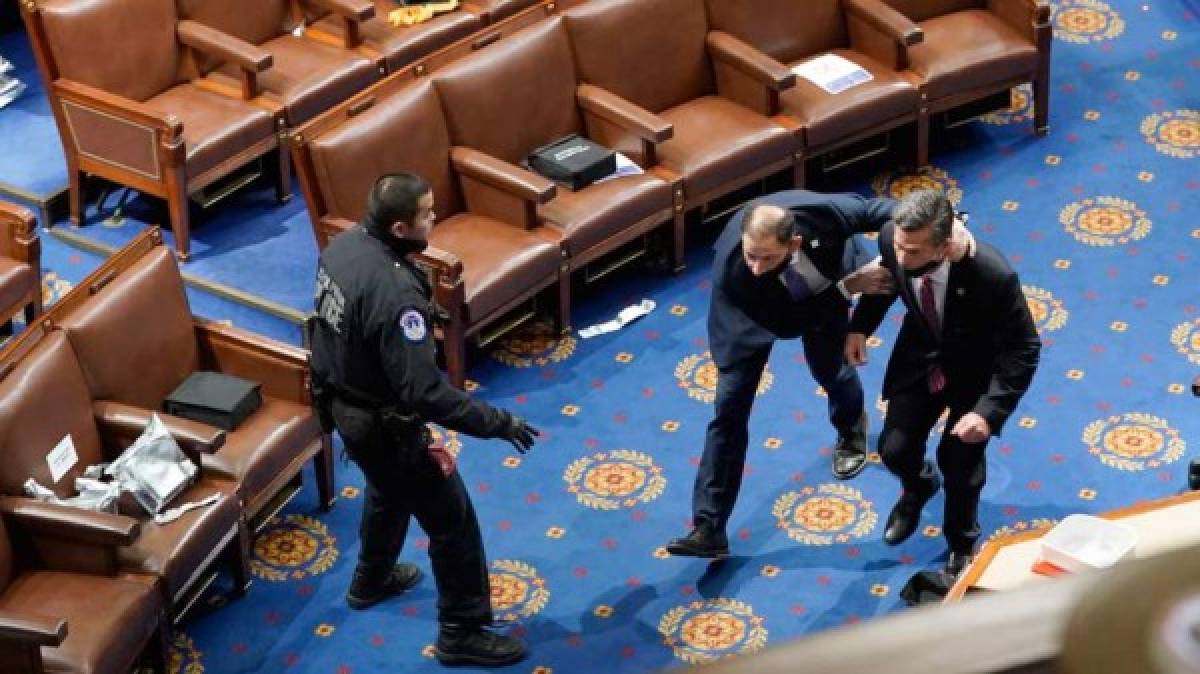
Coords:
968,344
780,272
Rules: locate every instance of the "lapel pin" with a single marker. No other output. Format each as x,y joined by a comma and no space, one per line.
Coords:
960,292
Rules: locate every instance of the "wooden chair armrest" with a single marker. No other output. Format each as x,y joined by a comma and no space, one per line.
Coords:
223,46
633,118
126,422
34,630
749,61
65,522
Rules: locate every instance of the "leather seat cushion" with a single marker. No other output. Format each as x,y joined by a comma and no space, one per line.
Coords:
17,280
831,117
261,448
309,77
215,127
967,49
109,620
499,260
403,45
176,551
718,141
603,210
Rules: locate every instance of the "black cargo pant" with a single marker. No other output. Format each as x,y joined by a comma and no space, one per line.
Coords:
403,481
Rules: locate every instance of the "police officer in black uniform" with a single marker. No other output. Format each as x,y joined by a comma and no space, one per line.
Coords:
377,382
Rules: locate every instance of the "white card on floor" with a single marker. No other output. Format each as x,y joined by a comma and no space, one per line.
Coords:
62,458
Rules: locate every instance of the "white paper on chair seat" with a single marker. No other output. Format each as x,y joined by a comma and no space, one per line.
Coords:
625,167
832,73
626,316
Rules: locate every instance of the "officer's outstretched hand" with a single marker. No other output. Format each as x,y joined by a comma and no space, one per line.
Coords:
520,433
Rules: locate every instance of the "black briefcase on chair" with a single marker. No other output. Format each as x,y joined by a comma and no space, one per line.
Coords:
215,399
573,161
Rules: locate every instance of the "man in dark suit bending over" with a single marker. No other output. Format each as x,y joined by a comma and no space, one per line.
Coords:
968,344
780,272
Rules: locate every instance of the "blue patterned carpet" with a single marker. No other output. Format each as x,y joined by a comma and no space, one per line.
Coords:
1100,220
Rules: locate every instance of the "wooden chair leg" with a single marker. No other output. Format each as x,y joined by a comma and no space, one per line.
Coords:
323,467
239,559
74,198
922,138
158,651
283,188
800,171
178,207
563,319
678,247
1041,106
454,344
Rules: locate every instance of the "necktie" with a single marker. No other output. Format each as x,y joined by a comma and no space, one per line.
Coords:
796,285
937,378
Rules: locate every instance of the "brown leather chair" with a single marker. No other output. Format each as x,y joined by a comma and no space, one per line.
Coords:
486,256
496,10
866,32
129,109
521,94
307,75
58,615
655,54
43,398
20,265
974,49
134,309
392,47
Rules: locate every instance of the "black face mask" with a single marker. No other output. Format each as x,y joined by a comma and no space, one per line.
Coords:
924,269
401,246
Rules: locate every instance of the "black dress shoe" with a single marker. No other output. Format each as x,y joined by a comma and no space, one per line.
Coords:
902,522
850,454
701,542
474,645
365,593
956,562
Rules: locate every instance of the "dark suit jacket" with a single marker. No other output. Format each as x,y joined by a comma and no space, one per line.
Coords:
989,347
748,313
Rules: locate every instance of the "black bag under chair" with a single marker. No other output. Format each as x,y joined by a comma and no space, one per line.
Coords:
215,399
573,161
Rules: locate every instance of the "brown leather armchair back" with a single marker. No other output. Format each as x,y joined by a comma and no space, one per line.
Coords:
650,52
919,10
126,48
255,22
514,97
789,34
135,339
41,400
409,123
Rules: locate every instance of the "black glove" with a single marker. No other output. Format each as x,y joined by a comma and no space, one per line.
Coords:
520,433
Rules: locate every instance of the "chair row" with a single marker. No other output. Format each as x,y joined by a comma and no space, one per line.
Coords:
20,265
172,97
697,94
97,364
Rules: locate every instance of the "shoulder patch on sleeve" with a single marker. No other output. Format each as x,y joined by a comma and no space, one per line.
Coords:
413,325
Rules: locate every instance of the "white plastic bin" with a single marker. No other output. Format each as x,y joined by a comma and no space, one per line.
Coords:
1084,542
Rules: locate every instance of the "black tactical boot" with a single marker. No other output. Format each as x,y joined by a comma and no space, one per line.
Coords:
365,593
466,644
